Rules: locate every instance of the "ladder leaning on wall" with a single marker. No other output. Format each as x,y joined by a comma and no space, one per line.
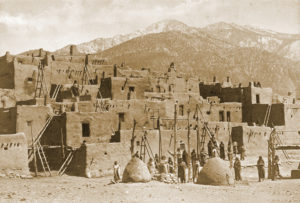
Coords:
41,88
39,148
66,163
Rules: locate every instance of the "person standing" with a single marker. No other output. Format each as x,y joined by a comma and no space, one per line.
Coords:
261,169
229,154
202,157
171,167
193,158
276,168
243,152
151,167
181,171
209,148
237,169
222,151
156,159
235,148
117,172
185,157
196,171
179,154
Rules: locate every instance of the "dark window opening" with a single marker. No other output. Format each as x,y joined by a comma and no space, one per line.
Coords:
115,137
29,79
181,110
85,130
257,99
121,117
221,116
228,116
131,89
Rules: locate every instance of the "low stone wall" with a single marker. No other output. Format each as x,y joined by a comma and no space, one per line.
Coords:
96,160
13,155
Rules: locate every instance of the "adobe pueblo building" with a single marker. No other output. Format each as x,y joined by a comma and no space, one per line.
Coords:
78,114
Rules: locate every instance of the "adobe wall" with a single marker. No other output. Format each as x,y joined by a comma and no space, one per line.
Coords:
13,154
37,114
120,88
6,72
106,88
256,113
230,94
66,72
63,72
8,118
141,111
292,116
100,157
55,134
83,106
209,90
265,95
101,125
254,138
193,85
211,111
7,98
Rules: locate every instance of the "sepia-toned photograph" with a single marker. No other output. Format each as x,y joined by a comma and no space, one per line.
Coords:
150,101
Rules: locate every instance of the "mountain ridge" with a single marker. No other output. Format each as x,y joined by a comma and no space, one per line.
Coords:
287,45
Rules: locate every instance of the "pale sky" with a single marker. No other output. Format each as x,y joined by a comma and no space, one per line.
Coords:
52,24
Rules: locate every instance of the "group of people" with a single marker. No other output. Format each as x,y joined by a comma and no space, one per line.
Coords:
166,166
260,168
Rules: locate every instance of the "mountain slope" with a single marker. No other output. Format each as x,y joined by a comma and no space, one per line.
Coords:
286,45
101,44
205,56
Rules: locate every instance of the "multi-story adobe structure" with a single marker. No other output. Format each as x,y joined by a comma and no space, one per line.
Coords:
96,125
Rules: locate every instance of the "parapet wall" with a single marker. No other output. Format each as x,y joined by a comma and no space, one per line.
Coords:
13,154
254,139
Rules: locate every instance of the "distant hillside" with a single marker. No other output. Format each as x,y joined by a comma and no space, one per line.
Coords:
206,56
285,45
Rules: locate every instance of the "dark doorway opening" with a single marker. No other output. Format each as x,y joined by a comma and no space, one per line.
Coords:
257,99
221,116
85,130
228,116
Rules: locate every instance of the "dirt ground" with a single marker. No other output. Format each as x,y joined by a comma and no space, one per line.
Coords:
80,189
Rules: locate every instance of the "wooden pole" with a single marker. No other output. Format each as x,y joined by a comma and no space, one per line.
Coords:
34,151
189,148
133,138
175,132
198,134
159,141
62,144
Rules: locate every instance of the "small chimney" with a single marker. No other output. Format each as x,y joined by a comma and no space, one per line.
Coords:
86,59
214,79
73,50
228,79
40,52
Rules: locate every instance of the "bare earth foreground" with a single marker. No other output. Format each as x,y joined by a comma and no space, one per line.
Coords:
79,189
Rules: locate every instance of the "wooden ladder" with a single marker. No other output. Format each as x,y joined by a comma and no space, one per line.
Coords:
43,159
56,91
66,163
40,83
37,139
267,116
202,141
